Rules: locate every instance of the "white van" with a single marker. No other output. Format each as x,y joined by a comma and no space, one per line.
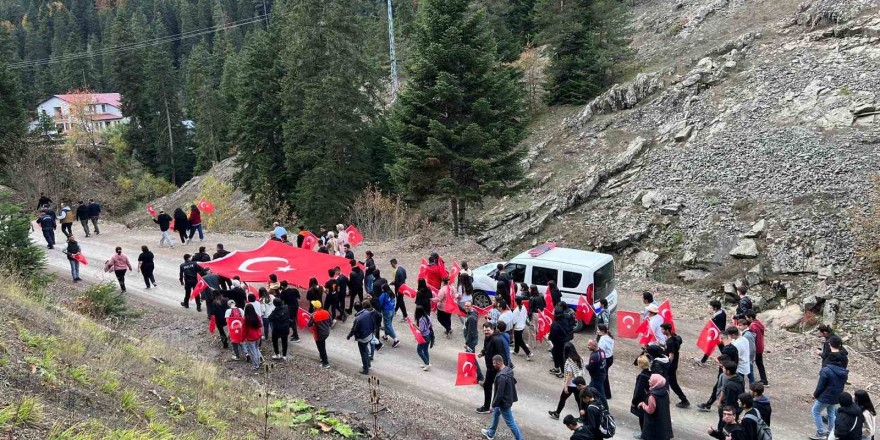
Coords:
572,269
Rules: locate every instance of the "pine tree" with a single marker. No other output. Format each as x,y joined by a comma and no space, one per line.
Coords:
329,97
588,38
206,107
457,124
12,113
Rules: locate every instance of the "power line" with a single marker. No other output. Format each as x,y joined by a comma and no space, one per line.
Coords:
138,45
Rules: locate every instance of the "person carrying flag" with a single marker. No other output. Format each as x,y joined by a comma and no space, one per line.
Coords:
164,222
320,324
673,347
71,252
444,317
472,335
425,329
290,296
195,223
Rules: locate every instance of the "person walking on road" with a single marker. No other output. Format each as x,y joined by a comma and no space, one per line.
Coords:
658,421
425,329
362,330
66,219
146,266
502,403
320,324
46,220
832,379
597,367
520,321
492,347
574,368
253,332
640,392
850,420
398,279
673,349
355,285
728,429
386,305
279,318
94,215
164,222
72,251
195,223
189,271
44,202
719,318
444,317
606,344
219,312
757,327
290,295
82,214
181,225
119,264
472,335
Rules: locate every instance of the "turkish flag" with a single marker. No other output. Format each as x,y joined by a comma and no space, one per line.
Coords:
453,274
151,210
212,324
310,242
450,304
354,236
171,225
525,303
81,258
235,325
646,335
467,369
545,320
407,291
709,338
295,265
585,310
628,324
483,311
206,206
423,269
200,286
590,299
415,331
302,318
513,292
253,290
548,299
665,310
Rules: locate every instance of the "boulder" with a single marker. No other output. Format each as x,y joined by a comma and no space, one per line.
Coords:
787,317
692,275
689,258
826,272
746,248
650,198
671,209
757,229
645,258
863,108
811,302
684,134
829,312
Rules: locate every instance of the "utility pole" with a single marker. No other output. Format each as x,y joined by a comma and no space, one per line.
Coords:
170,143
394,84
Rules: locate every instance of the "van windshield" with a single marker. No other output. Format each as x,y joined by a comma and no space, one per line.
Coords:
604,280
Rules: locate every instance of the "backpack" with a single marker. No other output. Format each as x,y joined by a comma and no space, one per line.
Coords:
763,430
607,426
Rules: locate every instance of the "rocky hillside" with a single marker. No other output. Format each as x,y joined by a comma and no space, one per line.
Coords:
739,153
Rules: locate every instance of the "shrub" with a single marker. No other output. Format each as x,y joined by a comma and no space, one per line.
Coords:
102,301
865,227
381,216
18,255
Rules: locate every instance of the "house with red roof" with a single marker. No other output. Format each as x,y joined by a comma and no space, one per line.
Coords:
94,112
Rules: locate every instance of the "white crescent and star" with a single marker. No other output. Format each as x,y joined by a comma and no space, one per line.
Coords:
245,266
236,323
629,323
467,367
713,334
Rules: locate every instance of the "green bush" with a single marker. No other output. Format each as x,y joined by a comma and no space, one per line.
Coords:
102,301
18,255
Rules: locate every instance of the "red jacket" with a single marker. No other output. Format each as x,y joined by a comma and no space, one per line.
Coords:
757,327
195,217
252,334
434,273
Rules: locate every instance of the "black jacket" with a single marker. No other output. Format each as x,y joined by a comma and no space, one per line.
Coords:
399,276
745,304
370,265
188,271
290,296
219,312
505,389
592,419
280,319
342,285
720,320
199,256
596,366
640,391
557,334
471,332
502,286
750,427
82,212
238,295
47,221
735,431
658,426
181,223
94,209
849,423
762,404
363,326
732,389
163,220
221,253
492,345
356,280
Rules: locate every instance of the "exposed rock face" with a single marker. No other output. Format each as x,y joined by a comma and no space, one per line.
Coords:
746,248
620,97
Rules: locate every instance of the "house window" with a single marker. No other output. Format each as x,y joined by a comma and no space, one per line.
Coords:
106,123
58,112
103,108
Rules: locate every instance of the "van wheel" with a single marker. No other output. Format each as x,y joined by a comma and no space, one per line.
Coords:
481,299
579,326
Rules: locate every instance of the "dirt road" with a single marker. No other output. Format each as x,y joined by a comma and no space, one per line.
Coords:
792,369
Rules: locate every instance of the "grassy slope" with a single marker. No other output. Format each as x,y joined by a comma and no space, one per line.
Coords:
64,376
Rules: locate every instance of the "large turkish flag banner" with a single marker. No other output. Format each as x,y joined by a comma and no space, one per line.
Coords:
709,338
628,324
295,265
467,370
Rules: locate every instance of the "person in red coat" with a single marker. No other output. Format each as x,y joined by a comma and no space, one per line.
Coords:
436,271
253,332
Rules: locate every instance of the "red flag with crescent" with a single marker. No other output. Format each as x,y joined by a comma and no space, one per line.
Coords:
407,291
628,324
450,304
467,370
235,325
665,310
206,206
423,269
310,242
513,293
584,310
548,299
200,286
354,236
81,258
483,311
212,324
646,335
590,298
302,318
415,331
453,273
544,321
709,338
151,210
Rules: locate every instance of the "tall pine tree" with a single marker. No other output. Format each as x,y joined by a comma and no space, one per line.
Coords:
457,124
12,114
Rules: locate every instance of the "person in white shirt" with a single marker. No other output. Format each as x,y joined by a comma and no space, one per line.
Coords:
506,314
520,317
342,237
654,321
742,347
606,344
266,308
863,400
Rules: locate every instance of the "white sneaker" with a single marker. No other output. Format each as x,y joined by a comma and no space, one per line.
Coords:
284,358
426,367
276,357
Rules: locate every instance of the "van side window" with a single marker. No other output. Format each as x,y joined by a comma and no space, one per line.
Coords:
541,275
516,271
571,280
604,280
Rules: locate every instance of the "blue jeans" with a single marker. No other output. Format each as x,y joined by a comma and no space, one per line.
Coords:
250,347
830,409
422,350
508,418
193,229
368,284
74,268
267,327
387,317
364,349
